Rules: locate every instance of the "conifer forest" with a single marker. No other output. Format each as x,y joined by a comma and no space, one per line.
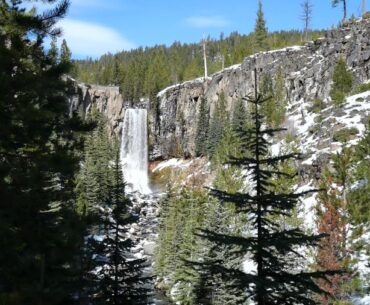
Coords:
232,168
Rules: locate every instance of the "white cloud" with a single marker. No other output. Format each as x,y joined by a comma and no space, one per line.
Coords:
91,3
90,39
206,22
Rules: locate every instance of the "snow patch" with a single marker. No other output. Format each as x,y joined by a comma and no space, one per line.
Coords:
177,163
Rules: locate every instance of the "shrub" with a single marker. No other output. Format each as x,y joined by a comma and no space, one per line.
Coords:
361,88
342,82
317,106
344,135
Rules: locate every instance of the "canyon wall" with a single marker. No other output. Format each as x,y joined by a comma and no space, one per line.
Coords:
307,71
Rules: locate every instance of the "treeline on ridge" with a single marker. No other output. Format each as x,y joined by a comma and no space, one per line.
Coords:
143,72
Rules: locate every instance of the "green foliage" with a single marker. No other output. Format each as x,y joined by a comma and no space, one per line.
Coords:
317,106
94,179
118,275
53,52
227,177
201,138
181,214
260,29
217,123
285,184
240,119
65,52
359,194
275,108
39,157
342,82
345,134
145,71
346,187
361,88
269,246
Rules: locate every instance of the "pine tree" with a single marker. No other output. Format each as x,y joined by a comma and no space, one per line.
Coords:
227,176
342,82
260,29
185,277
163,249
65,52
239,119
180,216
277,279
94,179
201,136
358,196
275,108
120,277
38,161
332,255
216,125
53,52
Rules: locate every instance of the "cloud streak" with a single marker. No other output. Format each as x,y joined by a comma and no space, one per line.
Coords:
206,22
91,39
92,4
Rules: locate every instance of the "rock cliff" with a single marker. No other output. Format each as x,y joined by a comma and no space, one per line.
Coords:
106,99
307,72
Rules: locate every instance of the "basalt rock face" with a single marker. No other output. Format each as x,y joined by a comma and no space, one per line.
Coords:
307,71
107,100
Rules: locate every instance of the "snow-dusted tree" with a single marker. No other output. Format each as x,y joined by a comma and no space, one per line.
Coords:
332,253
278,278
119,276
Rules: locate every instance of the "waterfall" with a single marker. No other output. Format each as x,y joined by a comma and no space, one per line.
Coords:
134,150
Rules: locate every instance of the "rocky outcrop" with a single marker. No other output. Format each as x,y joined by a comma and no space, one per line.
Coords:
307,71
106,99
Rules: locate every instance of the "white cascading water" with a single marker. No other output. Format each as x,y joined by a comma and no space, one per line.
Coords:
134,150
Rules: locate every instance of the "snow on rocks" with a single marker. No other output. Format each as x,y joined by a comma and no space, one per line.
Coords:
172,163
361,300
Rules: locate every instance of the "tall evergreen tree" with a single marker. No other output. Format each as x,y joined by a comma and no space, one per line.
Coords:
202,129
275,108
38,161
53,51
239,118
260,29
342,82
65,52
216,125
277,278
95,176
119,276
332,254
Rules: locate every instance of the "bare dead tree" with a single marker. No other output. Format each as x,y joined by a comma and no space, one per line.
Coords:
363,7
336,2
306,17
204,43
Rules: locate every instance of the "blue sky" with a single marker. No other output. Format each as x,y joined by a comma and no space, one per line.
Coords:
94,27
